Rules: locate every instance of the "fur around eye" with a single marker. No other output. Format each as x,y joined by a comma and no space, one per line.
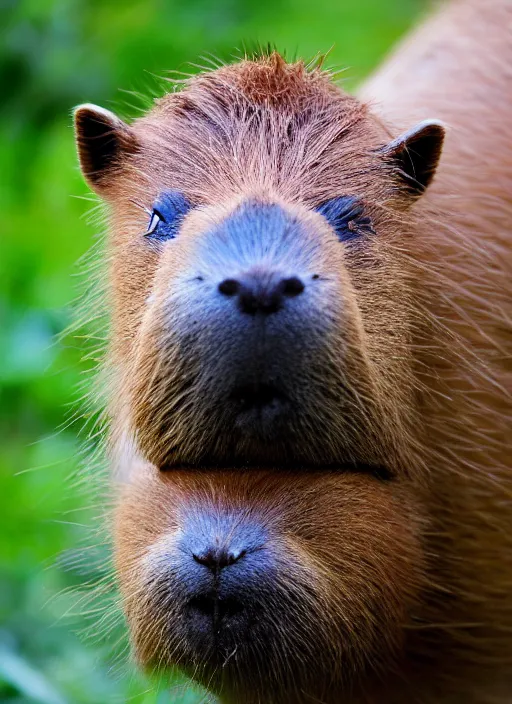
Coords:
167,215
345,214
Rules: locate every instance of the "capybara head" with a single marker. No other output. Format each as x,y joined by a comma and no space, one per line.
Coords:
263,397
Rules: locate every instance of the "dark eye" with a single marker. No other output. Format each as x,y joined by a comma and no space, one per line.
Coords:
167,215
345,214
154,222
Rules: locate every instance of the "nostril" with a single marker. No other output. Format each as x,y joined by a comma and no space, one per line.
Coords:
292,286
235,555
229,287
216,559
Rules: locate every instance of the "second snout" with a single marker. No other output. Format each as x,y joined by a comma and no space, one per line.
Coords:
223,563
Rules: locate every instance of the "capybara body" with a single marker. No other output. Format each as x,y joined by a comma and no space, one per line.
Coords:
310,373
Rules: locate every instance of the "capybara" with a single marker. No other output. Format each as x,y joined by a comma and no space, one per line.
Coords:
310,372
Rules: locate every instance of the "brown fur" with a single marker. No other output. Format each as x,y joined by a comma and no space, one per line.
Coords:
390,592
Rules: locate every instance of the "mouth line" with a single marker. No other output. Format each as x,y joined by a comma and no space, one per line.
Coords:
377,471
260,412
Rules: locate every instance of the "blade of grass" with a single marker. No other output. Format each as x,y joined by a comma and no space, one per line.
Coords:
26,679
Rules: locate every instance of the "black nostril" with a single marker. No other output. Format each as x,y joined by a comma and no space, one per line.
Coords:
217,559
292,286
229,287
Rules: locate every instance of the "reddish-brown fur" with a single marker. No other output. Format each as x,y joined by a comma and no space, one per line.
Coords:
403,588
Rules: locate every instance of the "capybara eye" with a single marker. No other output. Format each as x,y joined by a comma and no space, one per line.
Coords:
167,215
345,214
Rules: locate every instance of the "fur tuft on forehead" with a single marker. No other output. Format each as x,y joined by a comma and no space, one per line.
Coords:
268,81
262,124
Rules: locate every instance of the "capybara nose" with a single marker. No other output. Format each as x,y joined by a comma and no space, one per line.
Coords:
261,290
216,558
215,600
223,562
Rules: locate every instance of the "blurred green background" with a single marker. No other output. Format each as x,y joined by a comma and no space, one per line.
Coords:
53,55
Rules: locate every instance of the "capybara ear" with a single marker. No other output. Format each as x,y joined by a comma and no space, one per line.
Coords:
415,155
103,140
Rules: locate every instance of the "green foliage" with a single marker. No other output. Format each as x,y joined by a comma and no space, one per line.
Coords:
53,55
